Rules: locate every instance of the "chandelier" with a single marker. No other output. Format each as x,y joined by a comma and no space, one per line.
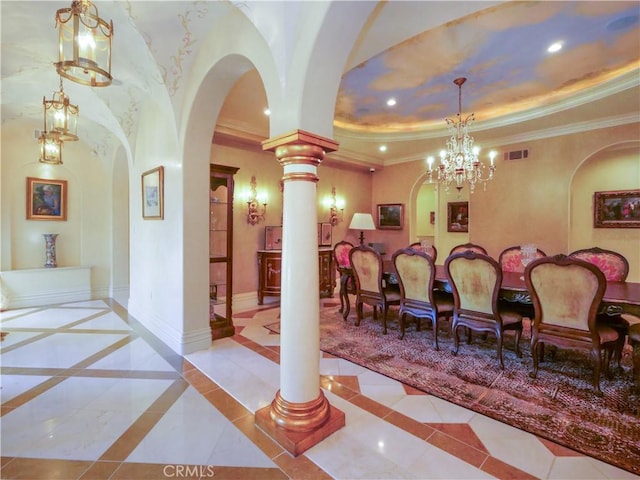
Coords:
60,116
84,42
459,163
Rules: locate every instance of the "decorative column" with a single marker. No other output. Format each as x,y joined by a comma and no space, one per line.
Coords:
50,250
300,416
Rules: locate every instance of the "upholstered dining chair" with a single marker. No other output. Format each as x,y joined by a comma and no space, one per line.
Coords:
416,273
475,279
615,268
368,273
510,259
431,250
347,283
468,246
566,293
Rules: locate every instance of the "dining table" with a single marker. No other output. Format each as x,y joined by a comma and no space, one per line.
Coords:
619,297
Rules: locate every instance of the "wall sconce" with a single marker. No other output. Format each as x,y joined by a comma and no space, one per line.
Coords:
334,204
50,149
60,116
84,44
254,215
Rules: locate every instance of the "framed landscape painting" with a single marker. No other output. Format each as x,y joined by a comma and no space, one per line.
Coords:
46,199
153,194
616,209
391,216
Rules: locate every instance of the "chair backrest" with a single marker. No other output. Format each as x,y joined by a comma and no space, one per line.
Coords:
367,268
475,280
430,250
416,273
468,247
566,292
510,259
613,264
341,253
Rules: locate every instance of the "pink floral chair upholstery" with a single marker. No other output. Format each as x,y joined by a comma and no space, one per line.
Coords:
510,259
615,268
613,265
431,250
347,283
567,293
468,247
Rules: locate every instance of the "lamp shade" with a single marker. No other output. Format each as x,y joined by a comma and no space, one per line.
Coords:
362,221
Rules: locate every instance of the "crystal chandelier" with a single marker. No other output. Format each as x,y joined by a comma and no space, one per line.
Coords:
84,41
459,163
60,116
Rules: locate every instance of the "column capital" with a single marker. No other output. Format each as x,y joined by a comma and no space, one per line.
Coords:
300,137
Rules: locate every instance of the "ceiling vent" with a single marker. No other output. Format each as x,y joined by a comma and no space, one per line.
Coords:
517,154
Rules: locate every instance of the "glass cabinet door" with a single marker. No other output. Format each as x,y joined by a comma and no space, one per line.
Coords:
221,250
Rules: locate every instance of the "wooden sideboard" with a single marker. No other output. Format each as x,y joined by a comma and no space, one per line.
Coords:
269,273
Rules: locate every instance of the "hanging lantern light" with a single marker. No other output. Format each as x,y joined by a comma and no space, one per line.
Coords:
84,45
60,116
50,149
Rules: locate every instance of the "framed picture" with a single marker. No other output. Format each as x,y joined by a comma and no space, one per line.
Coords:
324,234
617,209
391,216
153,194
273,238
46,199
458,217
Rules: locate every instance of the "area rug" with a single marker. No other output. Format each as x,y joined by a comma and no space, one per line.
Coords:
559,405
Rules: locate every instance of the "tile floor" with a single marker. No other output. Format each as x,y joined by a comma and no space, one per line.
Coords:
88,393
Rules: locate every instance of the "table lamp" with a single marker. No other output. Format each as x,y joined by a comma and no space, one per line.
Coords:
362,221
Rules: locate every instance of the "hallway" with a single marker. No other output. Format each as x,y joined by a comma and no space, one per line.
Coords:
88,393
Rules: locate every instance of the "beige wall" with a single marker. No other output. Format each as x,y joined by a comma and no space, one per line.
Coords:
353,186
84,239
530,200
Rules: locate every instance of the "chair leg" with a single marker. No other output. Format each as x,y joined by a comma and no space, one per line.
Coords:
456,339
517,340
401,322
499,345
358,313
535,355
595,355
385,309
434,323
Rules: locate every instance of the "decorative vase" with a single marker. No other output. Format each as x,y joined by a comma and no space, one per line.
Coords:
50,250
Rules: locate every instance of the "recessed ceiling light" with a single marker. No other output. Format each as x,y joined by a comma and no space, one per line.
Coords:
391,102
554,47
267,112
383,148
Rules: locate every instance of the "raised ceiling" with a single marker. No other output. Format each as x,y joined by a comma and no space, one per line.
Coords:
411,51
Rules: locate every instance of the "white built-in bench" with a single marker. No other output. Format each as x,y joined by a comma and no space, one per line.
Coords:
35,287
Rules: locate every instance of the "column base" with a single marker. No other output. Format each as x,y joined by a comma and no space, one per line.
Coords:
295,438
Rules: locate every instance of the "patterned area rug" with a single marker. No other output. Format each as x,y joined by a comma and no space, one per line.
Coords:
559,404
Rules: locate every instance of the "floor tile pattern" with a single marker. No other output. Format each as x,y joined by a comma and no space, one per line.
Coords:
88,393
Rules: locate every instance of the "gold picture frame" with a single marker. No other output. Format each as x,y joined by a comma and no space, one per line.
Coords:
46,199
153,194
616,209
458,217
391,216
